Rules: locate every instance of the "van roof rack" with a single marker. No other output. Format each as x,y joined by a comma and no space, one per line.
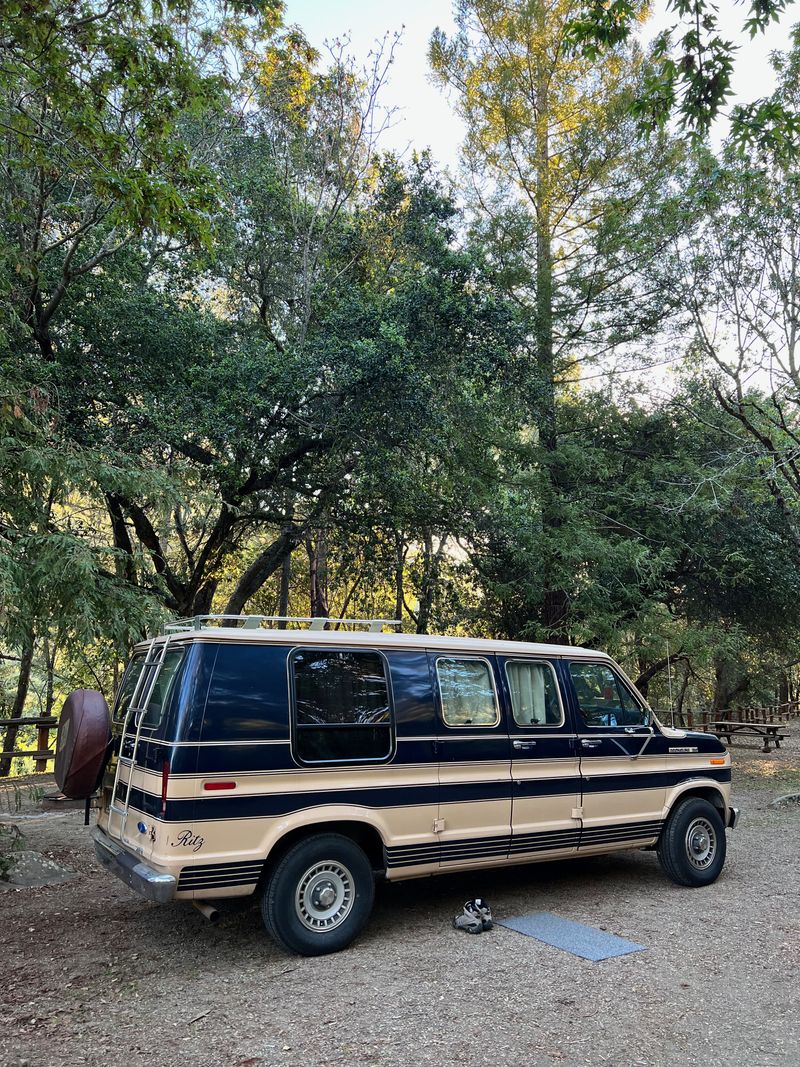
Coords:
292,622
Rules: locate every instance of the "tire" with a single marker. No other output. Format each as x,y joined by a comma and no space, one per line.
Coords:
693,845
297,907
82,743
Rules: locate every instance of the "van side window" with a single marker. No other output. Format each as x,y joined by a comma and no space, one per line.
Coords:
341,706
467,692
534,694
603,698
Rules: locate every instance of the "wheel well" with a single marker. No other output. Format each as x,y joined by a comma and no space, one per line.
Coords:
713,796
367,837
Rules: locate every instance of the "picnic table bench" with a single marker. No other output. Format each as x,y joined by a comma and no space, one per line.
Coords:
768,731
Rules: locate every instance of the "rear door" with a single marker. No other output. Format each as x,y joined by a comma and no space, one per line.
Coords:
545,767
474,824
152,754
621,768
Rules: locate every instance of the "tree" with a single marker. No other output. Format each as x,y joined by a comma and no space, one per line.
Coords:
277,430
738,279
94,100
679,555
576,206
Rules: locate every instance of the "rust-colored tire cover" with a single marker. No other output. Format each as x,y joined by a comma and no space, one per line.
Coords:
84,731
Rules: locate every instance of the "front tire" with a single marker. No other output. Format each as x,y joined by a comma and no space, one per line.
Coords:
693,845
319,897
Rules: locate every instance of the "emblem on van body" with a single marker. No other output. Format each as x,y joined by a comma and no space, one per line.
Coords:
186,839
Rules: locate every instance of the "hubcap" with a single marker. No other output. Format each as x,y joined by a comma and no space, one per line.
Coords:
324,896
701,843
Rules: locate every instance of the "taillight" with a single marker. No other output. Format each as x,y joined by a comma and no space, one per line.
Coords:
164,787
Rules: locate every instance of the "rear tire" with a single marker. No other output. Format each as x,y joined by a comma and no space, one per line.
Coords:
693,845
319,897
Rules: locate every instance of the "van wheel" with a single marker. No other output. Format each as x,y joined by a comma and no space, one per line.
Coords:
692,846
319,896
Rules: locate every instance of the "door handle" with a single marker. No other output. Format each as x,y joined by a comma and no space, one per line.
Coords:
590,744
523,744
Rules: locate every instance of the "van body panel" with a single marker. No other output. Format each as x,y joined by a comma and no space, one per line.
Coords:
545,770
474,767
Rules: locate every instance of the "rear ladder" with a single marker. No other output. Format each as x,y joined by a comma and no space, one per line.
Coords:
137,708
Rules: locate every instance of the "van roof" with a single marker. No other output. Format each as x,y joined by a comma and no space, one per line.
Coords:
334,638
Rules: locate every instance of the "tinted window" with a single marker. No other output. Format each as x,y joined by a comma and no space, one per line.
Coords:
534,694
603,699
163,687
130,678
467,692
342,709
248,697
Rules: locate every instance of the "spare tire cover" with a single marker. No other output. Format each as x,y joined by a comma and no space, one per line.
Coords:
84,733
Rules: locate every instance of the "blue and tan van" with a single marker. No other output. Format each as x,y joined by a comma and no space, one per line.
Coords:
303,764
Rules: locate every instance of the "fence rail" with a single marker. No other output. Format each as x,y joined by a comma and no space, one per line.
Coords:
42,754
698,719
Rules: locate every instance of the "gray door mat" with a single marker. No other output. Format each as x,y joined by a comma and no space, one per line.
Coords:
580,940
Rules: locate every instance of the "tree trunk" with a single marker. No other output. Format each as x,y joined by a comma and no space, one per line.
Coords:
125,567
399,573
276,555
50,649
431,566
555,605
18,707
729,684
283,596
682,695
783,688
318,575
203,600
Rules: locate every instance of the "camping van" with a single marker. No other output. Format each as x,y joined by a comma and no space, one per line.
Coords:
301,765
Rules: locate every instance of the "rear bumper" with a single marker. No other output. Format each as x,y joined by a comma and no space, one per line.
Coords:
733,817
144,880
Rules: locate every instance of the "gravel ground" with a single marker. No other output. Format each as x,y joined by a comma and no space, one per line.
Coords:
92,976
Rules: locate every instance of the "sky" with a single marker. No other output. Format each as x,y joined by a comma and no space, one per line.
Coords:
423,118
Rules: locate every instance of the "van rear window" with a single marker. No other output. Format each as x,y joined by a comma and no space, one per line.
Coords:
161,689
341,707
129,681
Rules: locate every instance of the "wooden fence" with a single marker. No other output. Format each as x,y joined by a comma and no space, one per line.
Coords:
43,753
767,713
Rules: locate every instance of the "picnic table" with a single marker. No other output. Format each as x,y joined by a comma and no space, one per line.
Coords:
769,731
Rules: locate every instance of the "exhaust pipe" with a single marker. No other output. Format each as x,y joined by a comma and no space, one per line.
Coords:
208,911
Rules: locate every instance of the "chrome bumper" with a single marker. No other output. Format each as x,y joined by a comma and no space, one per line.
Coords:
733,817
145,881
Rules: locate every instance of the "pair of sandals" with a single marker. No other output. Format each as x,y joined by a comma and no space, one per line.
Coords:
475,918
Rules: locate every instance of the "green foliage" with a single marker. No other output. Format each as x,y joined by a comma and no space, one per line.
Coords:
692,65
